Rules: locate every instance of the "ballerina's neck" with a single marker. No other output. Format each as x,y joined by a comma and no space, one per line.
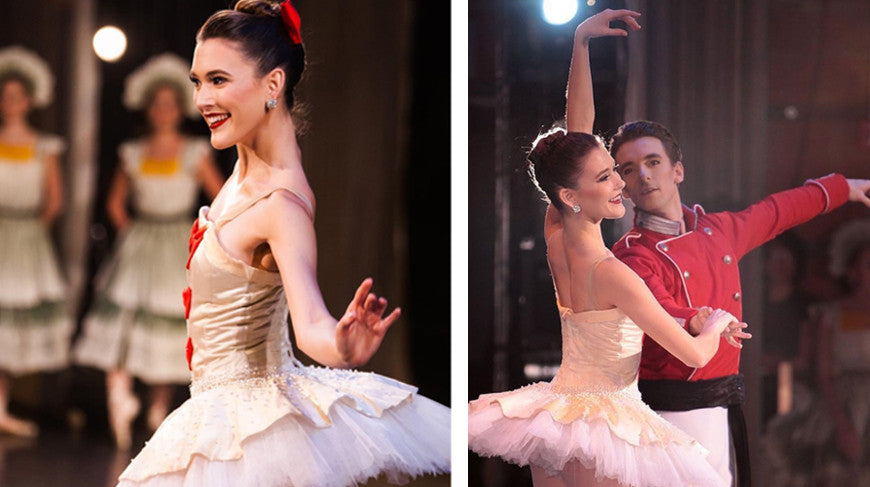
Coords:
583,235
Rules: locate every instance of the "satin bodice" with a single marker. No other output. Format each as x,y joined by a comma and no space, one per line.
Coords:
238,314
600,351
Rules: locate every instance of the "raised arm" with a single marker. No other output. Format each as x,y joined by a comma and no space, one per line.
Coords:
348,342
617,285
580,109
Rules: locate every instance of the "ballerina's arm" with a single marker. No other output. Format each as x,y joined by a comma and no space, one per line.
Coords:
618,286
348,342
580,106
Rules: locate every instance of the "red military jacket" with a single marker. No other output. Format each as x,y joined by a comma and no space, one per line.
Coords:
699,267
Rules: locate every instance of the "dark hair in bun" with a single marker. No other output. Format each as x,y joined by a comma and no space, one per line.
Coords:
557,158
259,29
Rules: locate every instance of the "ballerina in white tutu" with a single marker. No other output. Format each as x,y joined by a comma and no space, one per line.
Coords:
589,425
257,416
35,323
136,326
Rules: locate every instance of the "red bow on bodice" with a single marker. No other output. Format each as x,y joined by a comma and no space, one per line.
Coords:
196,235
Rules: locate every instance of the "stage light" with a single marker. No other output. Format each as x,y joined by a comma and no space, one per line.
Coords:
558,12
110,43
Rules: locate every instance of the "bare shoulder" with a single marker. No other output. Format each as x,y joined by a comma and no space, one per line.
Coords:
284,205
615,279
287,198
611,268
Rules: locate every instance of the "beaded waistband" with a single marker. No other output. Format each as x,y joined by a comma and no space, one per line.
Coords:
589,391
252,378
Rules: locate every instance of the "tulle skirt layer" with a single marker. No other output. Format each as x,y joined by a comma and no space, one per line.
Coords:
613,433
301,427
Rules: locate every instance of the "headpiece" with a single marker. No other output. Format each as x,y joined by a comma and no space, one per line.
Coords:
164,69
16,60
848,238
292,22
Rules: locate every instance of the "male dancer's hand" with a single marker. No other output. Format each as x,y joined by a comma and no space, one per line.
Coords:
858,189
696,323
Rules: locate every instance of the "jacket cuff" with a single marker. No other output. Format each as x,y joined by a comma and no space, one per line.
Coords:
834,187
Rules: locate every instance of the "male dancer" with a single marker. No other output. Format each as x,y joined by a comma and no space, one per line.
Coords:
689,258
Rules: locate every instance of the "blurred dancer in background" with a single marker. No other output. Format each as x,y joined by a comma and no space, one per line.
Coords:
827,442
136,326
35,323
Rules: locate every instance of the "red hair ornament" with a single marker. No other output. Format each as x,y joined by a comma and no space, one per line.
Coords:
292,21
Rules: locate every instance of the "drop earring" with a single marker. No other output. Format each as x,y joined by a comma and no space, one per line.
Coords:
271,104
576,208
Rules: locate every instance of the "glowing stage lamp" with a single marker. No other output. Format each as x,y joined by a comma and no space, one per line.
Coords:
110,43
558,12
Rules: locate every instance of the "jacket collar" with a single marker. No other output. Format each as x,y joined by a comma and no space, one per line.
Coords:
666,226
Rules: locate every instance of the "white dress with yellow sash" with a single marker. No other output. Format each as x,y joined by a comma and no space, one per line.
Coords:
137,320
35,324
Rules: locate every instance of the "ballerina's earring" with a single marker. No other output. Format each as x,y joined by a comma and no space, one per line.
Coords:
576,208
271,104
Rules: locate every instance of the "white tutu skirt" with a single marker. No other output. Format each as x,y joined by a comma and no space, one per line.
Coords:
35,323
306,427
137,323
613,433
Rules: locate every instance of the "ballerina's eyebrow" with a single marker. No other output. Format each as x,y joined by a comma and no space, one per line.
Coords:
211,73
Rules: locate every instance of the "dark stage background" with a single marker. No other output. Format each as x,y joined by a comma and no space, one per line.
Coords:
720,75
376,154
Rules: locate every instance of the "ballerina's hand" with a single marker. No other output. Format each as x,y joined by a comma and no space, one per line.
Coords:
599,24
733,331
361,330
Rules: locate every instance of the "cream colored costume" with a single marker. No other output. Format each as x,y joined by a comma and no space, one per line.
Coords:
591,413
257,416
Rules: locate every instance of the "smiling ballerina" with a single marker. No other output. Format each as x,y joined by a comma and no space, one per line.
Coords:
257,416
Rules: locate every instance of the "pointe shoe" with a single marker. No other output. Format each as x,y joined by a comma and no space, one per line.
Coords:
156,415
18,427
123,409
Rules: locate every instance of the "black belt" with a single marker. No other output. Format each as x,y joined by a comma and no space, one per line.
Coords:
729,392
